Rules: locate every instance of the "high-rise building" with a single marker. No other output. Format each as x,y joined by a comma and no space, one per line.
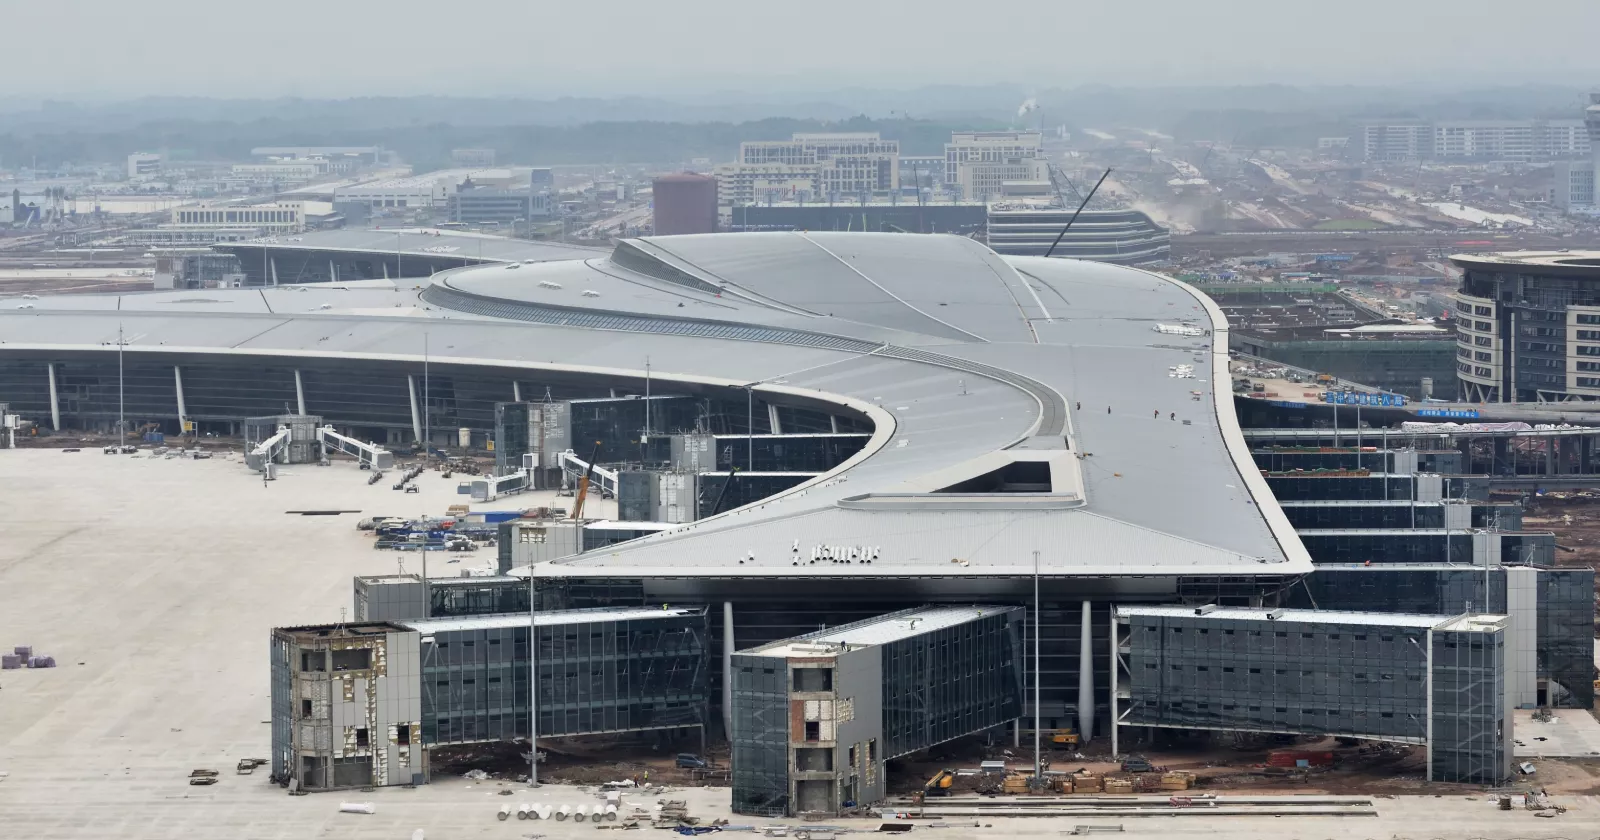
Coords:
684,203
141,164
821,167
1397,141
978,162
1528,326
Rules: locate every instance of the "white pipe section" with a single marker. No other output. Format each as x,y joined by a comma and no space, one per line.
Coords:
333,272
505,813
772,419
299,392
183,411
272,263
516,391
727,669
1085,678
416,413
55,402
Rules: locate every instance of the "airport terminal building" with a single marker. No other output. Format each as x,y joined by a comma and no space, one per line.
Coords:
848,426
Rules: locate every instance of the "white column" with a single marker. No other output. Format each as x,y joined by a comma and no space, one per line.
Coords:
272,264
55,402
386,269
333,272
416,412
833,423
516,391
183,411
1085,678
1115,653
299,392
1427,687
772,419
727,668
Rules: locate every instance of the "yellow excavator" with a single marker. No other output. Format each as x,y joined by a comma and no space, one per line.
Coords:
1063,737
940,784
583,484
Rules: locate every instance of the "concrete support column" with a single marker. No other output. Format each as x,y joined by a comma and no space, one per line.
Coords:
55,402
183,410
772,419
1550,456
1111,646
833,423
727,668
516,391
272,267
333,272
299,392
416,410
1085,677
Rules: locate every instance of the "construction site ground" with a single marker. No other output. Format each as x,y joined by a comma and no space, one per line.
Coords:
1574,517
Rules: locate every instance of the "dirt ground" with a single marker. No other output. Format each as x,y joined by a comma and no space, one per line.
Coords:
1224,764
590,761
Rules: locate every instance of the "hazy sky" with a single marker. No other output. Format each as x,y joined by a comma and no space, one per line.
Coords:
334,48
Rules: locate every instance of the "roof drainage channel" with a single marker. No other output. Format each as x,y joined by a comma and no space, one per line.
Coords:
1052,420
449,298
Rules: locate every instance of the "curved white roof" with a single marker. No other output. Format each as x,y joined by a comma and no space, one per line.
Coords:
965,360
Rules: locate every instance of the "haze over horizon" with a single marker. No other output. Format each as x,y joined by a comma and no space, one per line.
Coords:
95,50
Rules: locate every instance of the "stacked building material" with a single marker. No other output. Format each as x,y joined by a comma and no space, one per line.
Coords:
10,662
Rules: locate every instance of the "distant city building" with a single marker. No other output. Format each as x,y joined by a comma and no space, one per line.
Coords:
1397,141
288,171
1573,185
823,166
684,203
472,157
427,190
207,224
473,205
1332,142
340,158
141,164
542,178
976,162
1509,140
924,171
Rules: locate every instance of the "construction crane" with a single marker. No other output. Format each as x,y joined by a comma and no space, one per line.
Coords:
583,483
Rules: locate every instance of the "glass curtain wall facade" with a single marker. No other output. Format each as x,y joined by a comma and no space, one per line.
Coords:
597,674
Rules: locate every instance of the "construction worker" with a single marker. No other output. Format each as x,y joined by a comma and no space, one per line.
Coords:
1174,415
1157,415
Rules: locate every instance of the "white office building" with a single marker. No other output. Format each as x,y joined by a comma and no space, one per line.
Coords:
143,164
1508,140
809,167
279,172
1573,185
977,162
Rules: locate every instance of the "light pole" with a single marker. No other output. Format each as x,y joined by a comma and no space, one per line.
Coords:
1038,677
533,683
427,416
122,436
750,426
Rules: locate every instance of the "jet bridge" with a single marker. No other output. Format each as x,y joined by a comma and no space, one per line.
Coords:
574,467
303,439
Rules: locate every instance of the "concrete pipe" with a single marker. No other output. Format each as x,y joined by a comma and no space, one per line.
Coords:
522,812
580,813
542,811
563,812
611,813
505,813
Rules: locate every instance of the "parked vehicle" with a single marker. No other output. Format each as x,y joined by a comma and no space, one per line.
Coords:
690,761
